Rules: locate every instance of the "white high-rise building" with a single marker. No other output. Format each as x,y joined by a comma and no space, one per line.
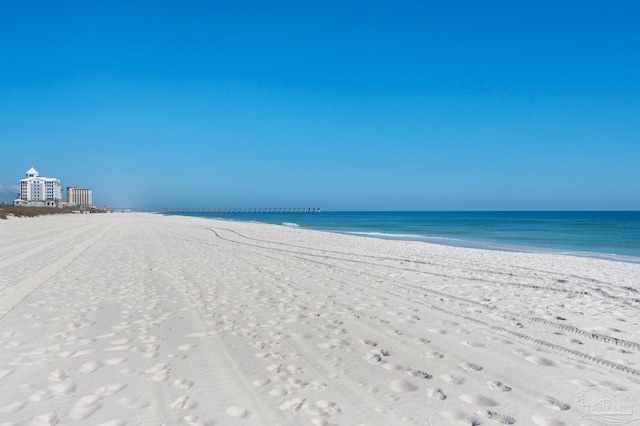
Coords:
79,197
39,191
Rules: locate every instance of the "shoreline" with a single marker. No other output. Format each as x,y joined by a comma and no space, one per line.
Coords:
128,319
449,241
488,245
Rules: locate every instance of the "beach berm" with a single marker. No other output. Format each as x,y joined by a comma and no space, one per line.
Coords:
142,319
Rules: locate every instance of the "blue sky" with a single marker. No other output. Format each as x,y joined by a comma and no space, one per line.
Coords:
349,105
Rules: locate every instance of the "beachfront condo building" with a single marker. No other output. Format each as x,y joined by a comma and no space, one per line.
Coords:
79,197
36,190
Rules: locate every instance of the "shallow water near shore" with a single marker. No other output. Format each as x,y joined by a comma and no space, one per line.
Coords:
611,235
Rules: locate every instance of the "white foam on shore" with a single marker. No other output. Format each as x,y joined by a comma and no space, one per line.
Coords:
147,319
290,224
458,242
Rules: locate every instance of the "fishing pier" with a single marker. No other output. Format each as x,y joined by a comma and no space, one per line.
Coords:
219,210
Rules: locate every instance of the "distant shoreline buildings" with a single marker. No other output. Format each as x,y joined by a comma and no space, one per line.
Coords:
79,197
40,191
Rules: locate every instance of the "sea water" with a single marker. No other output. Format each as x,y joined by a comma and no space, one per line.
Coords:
613,235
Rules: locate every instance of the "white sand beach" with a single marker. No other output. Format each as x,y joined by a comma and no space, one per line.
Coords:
141,319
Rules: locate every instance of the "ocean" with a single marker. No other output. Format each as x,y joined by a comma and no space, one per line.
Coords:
612,235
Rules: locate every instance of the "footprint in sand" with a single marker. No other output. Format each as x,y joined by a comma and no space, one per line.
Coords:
318,386
269,355
453,379
46,419
260,382
77,325
555,404
110,389
91,366
75,354
237,412
183,403
418,373
327,345
284,368
63,388
481,400
86,406
150,339
57,376
294,383
373,357
42,394
133,402
324,407
402,386
437,394
192,420
160,372
278,392
182,383
151,352
295,404
471,367
266,345
174,356
498,386
496,417
392,366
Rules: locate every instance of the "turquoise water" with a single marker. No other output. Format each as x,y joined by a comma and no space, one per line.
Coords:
614,235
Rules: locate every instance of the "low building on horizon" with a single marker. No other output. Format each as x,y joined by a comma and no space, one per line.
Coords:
39,191
79,197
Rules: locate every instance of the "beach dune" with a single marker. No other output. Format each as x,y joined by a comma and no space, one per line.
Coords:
132,319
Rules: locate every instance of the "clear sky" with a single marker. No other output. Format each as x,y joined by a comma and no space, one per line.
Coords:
345,105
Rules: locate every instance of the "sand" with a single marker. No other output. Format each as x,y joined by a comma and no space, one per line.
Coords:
140,319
